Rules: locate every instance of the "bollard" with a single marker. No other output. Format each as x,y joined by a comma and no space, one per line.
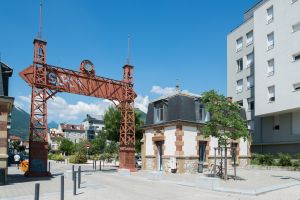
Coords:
79,176
93,164
62,187
37,191
74,184
49,165
72,172
99,165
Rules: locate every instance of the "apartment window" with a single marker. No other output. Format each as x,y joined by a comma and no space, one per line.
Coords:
296,86
239,86
202,113
270,14
271,93
296,57
158,114
250,60
276,126
239,44
249,37
250,124
239,64
240,103
250,82
270,69
270,41
296,27
250,104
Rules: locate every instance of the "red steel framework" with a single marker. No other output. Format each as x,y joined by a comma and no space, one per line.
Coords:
46,80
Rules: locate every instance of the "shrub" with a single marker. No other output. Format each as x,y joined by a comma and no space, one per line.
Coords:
298,156
284,159
78,158
262,159
296,164
56,157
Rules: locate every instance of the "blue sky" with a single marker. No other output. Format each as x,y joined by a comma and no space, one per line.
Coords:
171,39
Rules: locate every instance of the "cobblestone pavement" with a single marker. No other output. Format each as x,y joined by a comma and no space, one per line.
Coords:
108,184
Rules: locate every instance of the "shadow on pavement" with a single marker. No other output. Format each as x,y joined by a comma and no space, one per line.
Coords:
20,178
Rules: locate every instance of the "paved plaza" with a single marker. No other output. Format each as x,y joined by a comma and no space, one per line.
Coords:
109,184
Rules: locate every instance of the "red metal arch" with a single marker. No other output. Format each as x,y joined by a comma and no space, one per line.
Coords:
46,80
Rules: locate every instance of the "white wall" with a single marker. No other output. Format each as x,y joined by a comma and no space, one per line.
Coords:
213,143
243,147
170,139
296,123
190,143
286,44
149,144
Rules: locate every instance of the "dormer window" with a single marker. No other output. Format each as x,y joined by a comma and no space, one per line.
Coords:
204,115
158,113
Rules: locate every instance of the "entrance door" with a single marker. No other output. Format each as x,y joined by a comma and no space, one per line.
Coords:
202,155
159,156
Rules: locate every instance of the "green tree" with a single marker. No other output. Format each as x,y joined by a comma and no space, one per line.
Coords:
225,121
66,146
112,126
99,143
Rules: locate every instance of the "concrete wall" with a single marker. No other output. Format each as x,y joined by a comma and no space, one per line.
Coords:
149,144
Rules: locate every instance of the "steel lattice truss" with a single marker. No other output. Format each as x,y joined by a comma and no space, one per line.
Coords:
46,80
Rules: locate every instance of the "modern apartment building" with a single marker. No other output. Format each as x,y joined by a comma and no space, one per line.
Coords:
263,73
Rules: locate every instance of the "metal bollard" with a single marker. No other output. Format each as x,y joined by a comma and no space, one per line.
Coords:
49,165
72,172
37,191
79,176
74,184
99,165
62,187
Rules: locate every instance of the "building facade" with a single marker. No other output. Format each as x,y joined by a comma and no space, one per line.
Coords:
92,125
6,104
54,138
72,132
263,74
172,138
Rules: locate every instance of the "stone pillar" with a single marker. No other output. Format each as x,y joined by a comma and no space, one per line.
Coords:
5,108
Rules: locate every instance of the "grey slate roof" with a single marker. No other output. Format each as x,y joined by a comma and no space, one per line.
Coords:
5,73
178,107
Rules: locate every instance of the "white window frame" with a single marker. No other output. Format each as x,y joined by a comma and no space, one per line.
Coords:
296,27
296,87
249,41
250,64
239,46
296,55
238,64
249,100
157,114
249,84
293,1
270,44
270,17
239,88
271,72
271,94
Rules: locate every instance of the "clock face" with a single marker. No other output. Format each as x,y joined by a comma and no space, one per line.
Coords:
87,65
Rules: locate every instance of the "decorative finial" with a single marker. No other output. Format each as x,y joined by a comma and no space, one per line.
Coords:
177,85
128,49
41,9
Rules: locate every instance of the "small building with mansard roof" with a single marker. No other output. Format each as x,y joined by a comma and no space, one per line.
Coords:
172,138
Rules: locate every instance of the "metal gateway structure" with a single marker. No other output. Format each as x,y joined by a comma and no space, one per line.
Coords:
47,80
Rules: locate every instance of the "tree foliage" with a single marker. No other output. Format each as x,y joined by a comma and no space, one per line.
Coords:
225,121
66,146
112,126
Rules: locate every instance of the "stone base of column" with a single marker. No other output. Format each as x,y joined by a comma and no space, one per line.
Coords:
127,158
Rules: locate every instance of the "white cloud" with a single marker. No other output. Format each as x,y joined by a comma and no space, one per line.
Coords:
141,103
60,110
165,91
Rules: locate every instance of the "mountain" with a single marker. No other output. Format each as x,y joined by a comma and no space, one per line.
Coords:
142,114
52,124
20,120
